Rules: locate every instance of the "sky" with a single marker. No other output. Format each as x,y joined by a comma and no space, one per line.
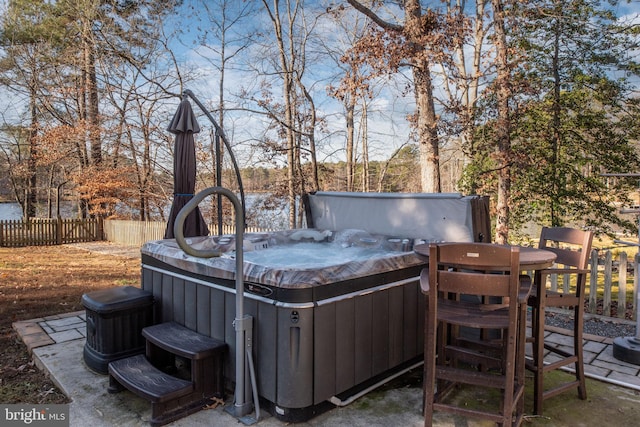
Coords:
387,120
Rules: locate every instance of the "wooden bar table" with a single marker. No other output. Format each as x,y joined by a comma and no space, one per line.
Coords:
531,259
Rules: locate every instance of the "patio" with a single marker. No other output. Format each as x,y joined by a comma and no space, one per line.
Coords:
56,344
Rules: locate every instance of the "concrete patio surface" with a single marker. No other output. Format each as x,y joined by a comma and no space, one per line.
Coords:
57,343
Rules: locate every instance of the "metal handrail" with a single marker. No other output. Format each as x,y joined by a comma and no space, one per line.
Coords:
220,133
243,323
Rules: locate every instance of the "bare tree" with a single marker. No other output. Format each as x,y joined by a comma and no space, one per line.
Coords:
462,73
295,116
412,44
353,90
219,37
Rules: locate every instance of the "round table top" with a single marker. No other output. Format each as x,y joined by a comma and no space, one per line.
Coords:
530,258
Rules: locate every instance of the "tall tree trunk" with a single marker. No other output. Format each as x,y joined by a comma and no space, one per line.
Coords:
469,83
289,114
427,131
503,124
555,122
427,120
351,132
90,96
31,198
366,185
91,92
414,32
310,125
288,67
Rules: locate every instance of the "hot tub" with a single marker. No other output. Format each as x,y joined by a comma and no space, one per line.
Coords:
334,307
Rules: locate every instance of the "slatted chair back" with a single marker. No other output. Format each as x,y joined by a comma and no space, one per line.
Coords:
473,285
573,249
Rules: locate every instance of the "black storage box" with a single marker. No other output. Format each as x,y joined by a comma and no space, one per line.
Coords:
115,318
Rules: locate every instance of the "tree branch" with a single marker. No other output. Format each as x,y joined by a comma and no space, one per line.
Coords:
374,17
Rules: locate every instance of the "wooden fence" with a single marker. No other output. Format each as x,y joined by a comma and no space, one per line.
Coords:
44,231
136,233
607,290
133,233
607,266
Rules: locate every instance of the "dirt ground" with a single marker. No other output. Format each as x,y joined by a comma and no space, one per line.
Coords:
42,281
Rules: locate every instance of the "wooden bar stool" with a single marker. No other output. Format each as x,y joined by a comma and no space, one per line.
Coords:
475,286
573,248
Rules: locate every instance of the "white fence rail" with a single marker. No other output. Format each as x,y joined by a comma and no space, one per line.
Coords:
627,293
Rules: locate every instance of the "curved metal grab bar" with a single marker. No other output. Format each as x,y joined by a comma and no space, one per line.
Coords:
178,226
223,136
242,323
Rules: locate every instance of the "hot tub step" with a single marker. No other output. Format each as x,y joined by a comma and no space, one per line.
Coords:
139,376
195,359
181,341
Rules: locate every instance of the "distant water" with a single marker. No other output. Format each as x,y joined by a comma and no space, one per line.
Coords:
13,211
10,211
273,219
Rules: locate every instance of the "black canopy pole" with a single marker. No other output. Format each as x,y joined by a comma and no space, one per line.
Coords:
221,134
216,139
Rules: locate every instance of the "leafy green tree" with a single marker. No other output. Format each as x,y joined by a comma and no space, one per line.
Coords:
573,117
577,119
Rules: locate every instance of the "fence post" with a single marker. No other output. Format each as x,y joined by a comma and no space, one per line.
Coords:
100,230
606,303
553,278
636,282
58,226
622,285
593,282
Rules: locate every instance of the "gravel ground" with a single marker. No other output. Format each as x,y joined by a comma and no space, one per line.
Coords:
594,324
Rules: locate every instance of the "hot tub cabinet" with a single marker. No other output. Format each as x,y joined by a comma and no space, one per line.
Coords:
319,331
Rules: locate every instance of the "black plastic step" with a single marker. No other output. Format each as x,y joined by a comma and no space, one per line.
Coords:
139,376
177,339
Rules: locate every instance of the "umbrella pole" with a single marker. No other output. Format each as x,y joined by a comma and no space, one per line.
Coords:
219,178
243,323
